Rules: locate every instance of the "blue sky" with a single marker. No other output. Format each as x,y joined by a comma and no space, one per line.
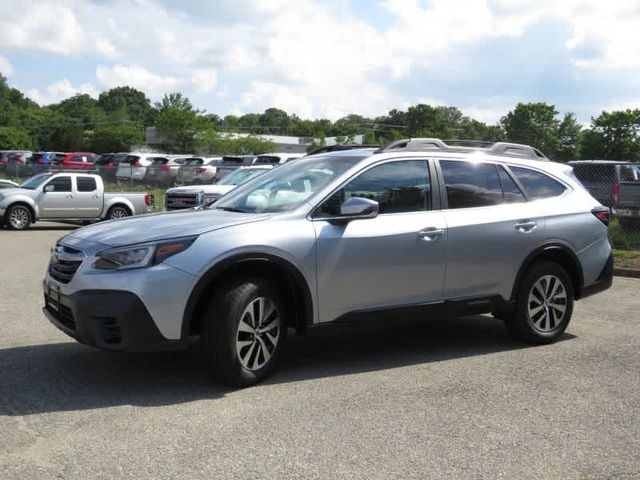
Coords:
327,58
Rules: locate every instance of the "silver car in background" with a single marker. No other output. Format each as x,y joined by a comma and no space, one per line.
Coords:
418,227
199,170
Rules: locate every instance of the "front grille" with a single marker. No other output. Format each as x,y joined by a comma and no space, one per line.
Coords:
175,201
64,263
62,313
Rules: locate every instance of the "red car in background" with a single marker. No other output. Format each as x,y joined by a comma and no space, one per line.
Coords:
78,161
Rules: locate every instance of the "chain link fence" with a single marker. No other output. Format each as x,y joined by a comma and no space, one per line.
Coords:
615,185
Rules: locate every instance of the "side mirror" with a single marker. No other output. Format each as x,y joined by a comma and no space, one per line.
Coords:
49,188
357,207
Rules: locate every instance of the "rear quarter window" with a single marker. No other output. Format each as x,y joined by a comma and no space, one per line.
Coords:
537,184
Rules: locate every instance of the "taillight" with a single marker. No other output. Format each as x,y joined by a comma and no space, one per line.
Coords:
615,193
147,199
136,164
603,214
201,170
165,168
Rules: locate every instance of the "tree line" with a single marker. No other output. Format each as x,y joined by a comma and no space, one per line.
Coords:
117,119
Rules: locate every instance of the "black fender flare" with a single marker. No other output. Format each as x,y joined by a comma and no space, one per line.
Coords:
237,260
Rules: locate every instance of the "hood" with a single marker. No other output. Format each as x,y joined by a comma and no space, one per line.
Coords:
14,191
159,226
207,189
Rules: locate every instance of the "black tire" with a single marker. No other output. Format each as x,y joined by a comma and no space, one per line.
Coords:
221,323
545,325
18,217
118,211
630,225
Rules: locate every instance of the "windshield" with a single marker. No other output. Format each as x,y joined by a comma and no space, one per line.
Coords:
35,182
287,187
242,175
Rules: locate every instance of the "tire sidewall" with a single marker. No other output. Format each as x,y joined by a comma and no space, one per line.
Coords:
221,327
527,330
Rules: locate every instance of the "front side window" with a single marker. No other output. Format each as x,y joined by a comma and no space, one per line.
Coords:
60,184
537,184
471,184
398,187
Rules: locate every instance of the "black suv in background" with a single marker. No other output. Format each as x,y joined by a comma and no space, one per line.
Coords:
614,184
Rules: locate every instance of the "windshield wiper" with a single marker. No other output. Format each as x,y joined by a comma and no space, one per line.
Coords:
230,209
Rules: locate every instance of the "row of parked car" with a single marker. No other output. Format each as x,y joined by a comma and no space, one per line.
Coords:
152,168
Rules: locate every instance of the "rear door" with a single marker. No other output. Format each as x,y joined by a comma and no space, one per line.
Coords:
56,199
88,198
489,232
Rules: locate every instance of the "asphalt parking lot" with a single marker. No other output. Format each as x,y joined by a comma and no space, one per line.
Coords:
421,399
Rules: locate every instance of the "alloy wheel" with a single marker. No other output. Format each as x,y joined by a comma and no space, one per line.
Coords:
258,333
547,303
19,217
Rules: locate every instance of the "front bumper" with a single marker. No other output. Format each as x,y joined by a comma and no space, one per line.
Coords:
107,319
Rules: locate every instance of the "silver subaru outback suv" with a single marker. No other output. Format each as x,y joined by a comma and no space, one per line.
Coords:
418,226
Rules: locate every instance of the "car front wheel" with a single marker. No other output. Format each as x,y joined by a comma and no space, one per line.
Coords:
18,217
544,304
244,327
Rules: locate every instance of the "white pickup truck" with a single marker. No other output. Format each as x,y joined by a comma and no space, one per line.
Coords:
66,196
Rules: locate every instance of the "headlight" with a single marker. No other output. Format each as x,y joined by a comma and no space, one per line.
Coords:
141,255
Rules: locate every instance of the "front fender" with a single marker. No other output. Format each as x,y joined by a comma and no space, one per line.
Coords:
24,199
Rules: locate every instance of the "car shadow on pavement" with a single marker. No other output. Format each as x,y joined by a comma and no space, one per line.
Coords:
69,376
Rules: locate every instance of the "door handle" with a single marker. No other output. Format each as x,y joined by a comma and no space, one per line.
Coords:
430,234
526,227
69,196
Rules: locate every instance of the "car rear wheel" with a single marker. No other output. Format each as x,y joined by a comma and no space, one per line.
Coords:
117,212
544,304
18,217
244,327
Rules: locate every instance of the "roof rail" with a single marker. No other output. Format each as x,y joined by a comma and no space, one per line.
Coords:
464,146
339,147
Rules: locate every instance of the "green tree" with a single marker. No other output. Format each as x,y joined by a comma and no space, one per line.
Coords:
116,138
12,138
126,103
569,135
613,136
533,124
179,124
81,108
212,142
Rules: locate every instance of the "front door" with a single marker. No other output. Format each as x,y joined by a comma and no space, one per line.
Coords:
394,260
56,199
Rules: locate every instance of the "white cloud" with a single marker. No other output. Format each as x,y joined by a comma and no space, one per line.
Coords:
59,91
6,68
312,57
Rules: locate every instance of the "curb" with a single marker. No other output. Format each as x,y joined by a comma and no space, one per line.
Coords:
626,272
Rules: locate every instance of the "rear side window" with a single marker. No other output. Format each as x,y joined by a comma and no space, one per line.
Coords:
537,184
471,184
267,160
510,191
160,161
398,187
629,173
86,184
60,184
